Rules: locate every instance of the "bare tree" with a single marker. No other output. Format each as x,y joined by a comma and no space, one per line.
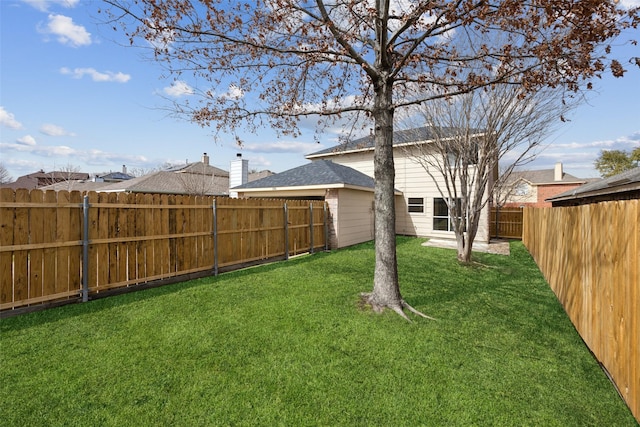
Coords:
64,177
5,176
278,61
476,133
198,181
141,171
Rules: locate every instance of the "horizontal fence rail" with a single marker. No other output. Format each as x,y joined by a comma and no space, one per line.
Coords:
63,245
506,223
590,256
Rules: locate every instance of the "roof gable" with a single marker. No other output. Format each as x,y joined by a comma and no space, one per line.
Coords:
319,172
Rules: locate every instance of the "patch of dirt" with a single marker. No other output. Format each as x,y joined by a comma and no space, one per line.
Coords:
498,247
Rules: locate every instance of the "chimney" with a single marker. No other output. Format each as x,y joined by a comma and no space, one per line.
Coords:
205,159
238,173
124,169
557,172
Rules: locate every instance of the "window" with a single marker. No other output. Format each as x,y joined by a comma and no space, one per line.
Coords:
441,217
416,204
463,151
522,189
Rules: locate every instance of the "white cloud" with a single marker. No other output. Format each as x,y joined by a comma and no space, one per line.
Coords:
43,5
96,76
283,147
178,89
628,4
54,153
8,119
259,162
54,130
26,140
234,92
67,32
625,142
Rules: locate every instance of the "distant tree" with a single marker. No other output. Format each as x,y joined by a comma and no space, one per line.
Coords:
146,171
613,162
68,175
5,177
473,134
276,62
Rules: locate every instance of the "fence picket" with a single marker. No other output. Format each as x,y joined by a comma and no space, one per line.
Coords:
138,238
6,239
590,256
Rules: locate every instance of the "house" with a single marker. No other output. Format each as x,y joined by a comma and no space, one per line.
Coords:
348,193
343,176
623,186
97,183
41,179
114,176
197,178
532,188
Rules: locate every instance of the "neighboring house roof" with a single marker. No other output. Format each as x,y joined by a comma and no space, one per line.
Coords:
60,175
199,168
543,176
320,173
26,181
115,176
42,178
627,181
423,134
254,176
166,182
76,186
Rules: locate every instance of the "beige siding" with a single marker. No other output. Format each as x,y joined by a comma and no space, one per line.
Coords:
412,181
354,218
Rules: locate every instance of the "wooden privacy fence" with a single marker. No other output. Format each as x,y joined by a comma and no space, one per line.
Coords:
506,223
590,256
61,245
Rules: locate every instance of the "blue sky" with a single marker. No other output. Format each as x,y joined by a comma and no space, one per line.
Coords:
70,94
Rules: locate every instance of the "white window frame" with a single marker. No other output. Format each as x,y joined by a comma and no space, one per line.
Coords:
441,217
413,206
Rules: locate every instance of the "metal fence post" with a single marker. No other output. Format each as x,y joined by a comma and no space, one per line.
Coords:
85,249
286,231
215,238
311,226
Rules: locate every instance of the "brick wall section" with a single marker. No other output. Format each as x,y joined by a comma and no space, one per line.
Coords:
543,192
546,191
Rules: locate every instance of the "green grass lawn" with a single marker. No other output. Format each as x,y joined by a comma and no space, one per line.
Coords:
285,344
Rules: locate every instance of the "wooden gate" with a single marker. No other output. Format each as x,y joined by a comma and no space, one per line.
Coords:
506,223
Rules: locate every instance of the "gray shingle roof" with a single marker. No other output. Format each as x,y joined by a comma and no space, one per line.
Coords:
76,186
544,176
425,133
627,179
199,168
320,172
173,183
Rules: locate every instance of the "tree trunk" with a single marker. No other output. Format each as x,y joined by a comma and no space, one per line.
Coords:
386,289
